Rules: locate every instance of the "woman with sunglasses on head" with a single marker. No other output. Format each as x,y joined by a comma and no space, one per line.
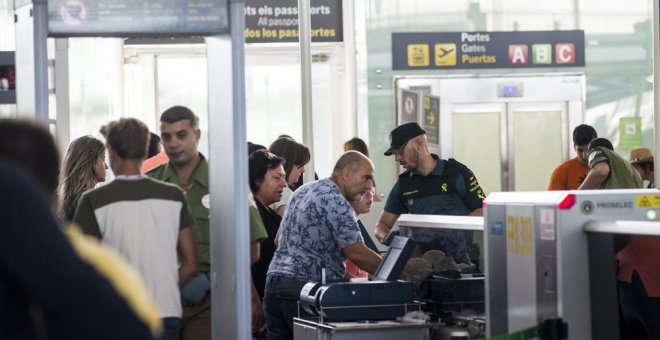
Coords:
267,182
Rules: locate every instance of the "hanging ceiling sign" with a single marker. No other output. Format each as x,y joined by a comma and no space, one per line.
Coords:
474,50
270,21
130,18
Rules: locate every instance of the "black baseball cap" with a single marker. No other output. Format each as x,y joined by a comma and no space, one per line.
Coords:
402,134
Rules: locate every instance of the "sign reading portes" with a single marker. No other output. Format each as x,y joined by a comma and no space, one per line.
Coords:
470,50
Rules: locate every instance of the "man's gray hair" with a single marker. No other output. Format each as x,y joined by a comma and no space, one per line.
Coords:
352,159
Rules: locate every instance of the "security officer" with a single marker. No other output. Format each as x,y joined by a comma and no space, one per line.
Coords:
429,185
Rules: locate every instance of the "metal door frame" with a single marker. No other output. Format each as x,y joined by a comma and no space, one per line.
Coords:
458,90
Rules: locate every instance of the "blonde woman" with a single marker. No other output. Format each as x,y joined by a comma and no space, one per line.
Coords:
83,167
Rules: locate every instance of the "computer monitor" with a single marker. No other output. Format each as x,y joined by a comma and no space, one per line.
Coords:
395,259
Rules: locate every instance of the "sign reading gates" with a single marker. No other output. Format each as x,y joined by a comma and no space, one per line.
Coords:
471,50
130,18
269,21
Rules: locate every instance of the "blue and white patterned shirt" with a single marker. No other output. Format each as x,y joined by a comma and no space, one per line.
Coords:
318,223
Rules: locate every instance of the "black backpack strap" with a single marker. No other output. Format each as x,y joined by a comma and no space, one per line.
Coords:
472,194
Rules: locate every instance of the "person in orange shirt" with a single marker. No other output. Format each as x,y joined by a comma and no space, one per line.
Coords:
570,174
155,154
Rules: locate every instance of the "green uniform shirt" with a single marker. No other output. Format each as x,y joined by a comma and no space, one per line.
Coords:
257,229
622,174
198,199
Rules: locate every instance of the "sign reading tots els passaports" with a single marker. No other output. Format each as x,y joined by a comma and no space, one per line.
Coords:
472,50
268,21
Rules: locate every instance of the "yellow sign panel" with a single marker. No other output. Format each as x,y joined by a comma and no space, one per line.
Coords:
430,116
648,201
418,55
445,54
519,234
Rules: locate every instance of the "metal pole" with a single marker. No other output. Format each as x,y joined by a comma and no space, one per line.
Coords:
350,64
230,265
32,59
63,125
305,28
656,86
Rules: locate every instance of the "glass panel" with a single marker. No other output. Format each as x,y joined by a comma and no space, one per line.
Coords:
273,104
182,81
140,89
7,34
322,105
7,43
95,84
272,107
480,151
616,36
8,111
537,148
272,97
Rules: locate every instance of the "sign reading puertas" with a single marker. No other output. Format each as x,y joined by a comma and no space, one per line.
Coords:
471,50
268,21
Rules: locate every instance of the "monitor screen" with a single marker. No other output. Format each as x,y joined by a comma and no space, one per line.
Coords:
395,259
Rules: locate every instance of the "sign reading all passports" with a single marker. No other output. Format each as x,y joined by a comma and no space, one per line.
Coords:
470,50
131,18
268,21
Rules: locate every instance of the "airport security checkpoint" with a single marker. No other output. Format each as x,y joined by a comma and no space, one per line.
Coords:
546,272
464,139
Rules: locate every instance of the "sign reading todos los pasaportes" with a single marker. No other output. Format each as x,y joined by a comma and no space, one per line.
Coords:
268,21
471,50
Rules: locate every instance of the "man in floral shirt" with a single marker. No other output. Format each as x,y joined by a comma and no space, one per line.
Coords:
319,229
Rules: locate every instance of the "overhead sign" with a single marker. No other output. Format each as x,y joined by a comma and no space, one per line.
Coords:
432,118
473,50
268,21
130,18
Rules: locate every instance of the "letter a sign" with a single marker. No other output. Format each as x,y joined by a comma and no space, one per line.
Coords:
518,54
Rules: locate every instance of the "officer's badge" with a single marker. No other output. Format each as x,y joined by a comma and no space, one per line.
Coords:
410,201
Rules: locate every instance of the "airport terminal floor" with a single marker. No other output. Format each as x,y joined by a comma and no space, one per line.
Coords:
329,169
